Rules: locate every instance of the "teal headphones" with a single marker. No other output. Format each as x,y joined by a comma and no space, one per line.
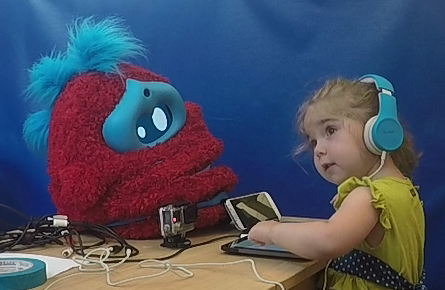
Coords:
383,132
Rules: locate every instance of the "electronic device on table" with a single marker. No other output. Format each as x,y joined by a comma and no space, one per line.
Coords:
246,211
175,221
243,246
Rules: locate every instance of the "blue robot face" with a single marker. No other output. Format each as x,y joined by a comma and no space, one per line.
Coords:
148,113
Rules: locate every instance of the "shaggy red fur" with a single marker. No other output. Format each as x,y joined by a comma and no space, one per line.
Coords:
89,182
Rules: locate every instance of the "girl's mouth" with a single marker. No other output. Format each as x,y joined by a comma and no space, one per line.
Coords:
326,166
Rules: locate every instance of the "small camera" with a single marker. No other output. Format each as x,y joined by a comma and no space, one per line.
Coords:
175,221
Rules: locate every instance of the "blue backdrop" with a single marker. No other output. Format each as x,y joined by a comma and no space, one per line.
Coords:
248,63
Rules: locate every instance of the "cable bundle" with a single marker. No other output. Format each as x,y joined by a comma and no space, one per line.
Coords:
94,258
56,229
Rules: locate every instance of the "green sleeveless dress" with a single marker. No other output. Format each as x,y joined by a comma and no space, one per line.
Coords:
402,217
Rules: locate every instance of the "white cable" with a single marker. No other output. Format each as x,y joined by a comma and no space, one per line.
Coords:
178,269
325,275
87,261
252,263
382,162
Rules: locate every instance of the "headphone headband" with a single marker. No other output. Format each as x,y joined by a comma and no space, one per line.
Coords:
380,82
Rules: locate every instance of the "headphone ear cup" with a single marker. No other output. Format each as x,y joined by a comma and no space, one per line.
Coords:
367,137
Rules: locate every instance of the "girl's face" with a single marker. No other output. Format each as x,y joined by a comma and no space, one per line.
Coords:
338,148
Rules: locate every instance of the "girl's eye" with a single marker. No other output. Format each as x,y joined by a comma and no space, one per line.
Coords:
330,130
313,143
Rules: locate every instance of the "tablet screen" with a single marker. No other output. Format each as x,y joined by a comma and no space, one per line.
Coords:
254,208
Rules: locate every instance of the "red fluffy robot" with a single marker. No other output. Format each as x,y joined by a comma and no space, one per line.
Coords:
120,142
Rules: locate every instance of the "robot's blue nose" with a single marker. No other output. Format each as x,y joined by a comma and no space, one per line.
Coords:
148,113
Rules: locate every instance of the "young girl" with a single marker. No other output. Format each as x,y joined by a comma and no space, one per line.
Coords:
375,238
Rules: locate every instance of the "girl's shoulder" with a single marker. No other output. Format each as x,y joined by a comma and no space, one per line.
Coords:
386,193
378,187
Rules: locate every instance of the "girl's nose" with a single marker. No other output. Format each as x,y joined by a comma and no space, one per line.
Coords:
319,150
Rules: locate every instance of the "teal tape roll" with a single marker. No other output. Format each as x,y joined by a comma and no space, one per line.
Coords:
21,273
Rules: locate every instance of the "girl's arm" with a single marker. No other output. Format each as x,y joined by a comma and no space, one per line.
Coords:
349,226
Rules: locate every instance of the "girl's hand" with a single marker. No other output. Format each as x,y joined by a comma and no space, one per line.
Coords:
261,233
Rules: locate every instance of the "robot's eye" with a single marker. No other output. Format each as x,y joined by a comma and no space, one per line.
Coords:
146,93
141,132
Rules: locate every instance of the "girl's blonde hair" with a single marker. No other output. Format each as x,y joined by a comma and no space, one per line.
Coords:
358,101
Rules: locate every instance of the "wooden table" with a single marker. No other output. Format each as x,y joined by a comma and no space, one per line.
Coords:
293,274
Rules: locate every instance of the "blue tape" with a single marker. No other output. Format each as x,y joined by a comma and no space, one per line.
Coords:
21,273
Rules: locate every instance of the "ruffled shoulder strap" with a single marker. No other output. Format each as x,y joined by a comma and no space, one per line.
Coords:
378,198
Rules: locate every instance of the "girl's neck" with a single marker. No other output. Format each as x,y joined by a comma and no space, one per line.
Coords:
389,169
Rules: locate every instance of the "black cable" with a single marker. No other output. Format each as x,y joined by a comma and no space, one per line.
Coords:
13,244
102,240
43,234
123,244
175,253
37,233
40,232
